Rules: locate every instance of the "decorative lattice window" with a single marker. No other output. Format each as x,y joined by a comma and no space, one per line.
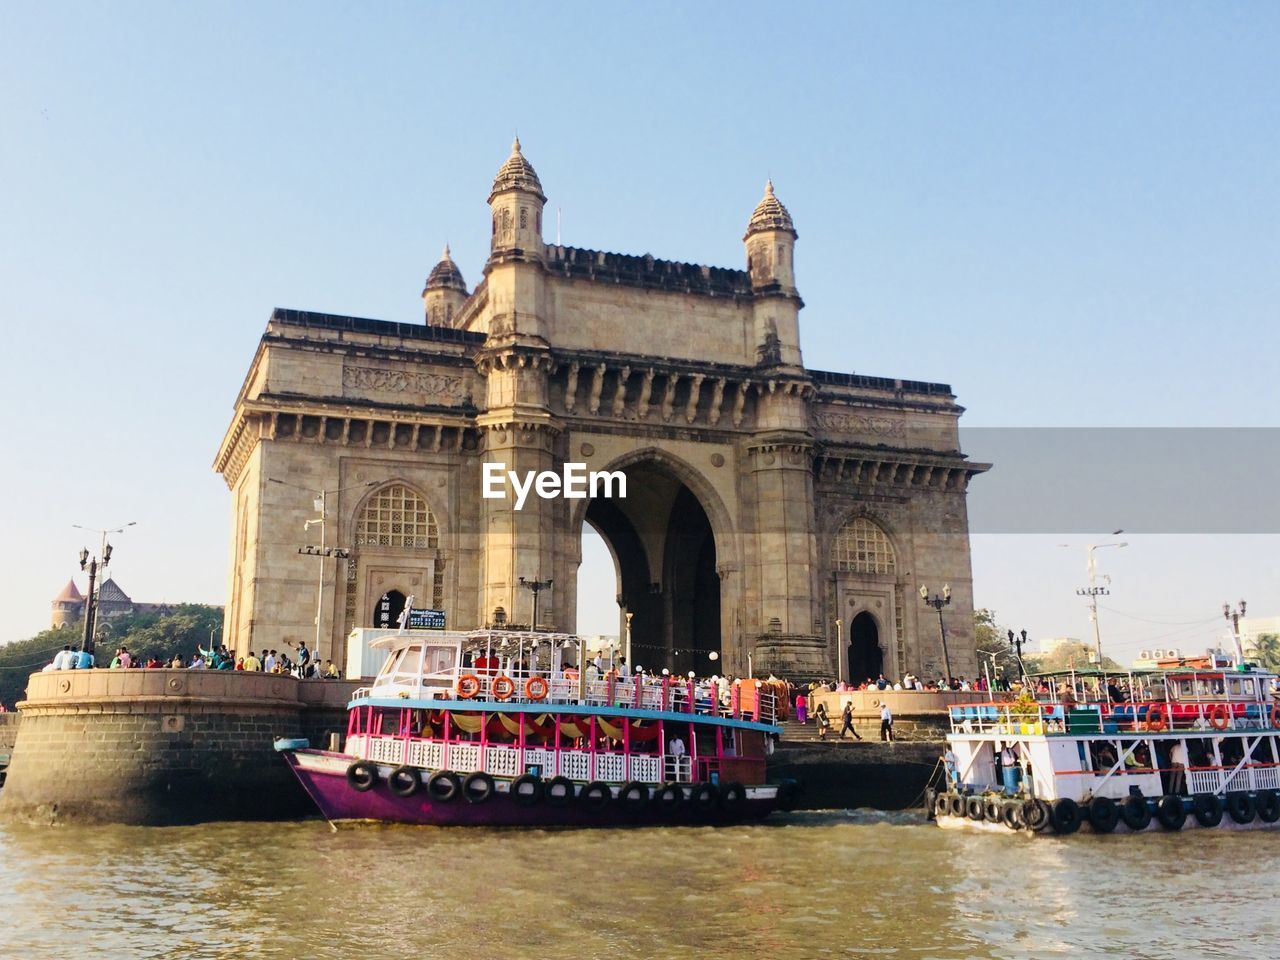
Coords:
862,547
395,516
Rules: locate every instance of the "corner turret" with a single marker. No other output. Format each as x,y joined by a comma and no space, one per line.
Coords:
771,241
516,201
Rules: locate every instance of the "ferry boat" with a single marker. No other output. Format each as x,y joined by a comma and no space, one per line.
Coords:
490,728
1197,747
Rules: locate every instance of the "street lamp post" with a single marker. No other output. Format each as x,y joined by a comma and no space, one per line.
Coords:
535,587
92,564
1016,642
338,553
1093,592
938,602
628,615
1233,618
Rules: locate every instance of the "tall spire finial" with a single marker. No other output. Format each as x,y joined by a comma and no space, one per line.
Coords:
445,255
768,186
515,144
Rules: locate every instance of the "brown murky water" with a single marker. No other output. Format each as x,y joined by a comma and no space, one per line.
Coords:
806,885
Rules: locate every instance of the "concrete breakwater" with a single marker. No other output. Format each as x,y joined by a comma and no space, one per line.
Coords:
164,746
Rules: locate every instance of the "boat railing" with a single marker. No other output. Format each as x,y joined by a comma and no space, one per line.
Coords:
741,700
1082,718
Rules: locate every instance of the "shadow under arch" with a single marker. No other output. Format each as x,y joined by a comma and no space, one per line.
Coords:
671,539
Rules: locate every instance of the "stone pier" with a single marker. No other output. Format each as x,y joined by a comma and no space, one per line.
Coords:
164,746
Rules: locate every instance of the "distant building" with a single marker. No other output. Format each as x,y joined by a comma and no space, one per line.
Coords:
68,606
1150,659
1049,644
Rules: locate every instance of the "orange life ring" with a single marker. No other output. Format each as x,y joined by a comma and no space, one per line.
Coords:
536,688
1275,715
503,687
1219,716
468,686
1156,720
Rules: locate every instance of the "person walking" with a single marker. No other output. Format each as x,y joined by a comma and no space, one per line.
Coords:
886,723
846,716
822,720
802,708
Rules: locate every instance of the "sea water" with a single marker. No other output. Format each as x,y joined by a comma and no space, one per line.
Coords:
827,884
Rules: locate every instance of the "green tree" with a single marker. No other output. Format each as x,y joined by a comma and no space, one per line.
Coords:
1069,655
1265,649
178,630
992,641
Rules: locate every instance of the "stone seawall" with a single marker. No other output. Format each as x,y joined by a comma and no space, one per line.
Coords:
8,732
884,776
164,746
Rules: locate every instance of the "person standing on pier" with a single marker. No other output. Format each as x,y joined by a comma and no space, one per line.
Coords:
886,723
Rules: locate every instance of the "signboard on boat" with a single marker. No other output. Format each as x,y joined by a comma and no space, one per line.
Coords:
422,619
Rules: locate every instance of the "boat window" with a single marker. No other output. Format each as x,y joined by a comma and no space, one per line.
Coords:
440,659
1233,686
1186,689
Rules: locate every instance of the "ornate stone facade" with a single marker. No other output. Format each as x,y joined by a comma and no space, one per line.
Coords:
774,512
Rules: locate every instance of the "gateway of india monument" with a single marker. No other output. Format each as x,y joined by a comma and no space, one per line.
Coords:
771,510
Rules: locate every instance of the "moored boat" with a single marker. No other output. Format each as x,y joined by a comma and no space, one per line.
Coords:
469,729
1196,748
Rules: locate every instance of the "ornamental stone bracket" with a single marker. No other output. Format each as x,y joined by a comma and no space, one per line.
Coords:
514,358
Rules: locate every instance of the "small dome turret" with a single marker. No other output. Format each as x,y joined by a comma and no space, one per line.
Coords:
769,214
445,275
517,173
445,292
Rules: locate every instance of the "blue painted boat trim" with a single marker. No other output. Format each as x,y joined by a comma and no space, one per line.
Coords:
488,706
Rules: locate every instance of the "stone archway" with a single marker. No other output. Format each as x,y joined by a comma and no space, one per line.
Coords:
386,611
665,551
866,656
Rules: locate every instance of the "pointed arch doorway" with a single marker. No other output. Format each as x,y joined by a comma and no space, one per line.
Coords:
866,658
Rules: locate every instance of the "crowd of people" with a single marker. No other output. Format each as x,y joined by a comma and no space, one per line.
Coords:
303,664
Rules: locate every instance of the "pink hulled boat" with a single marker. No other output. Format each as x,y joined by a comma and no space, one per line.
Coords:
468,729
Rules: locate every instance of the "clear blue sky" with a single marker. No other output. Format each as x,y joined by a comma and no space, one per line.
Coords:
1069,212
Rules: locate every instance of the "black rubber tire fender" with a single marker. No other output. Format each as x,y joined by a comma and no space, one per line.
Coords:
1064,815
942,805
1035,814
1207,809
527,790
595,796
973,808
1011,815
1241,808
362,775
404,781
443,786
669,798
634,796
733,799
1170,812
558,792
478,787
705,798
1135,813
991,810
1103,814
1268,806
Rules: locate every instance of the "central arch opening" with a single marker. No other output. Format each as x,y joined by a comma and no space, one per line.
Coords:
659,544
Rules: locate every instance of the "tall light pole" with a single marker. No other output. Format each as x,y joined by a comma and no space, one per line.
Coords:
938,602
339,553
1093,592
535,587
629,615
92,564
1233,618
